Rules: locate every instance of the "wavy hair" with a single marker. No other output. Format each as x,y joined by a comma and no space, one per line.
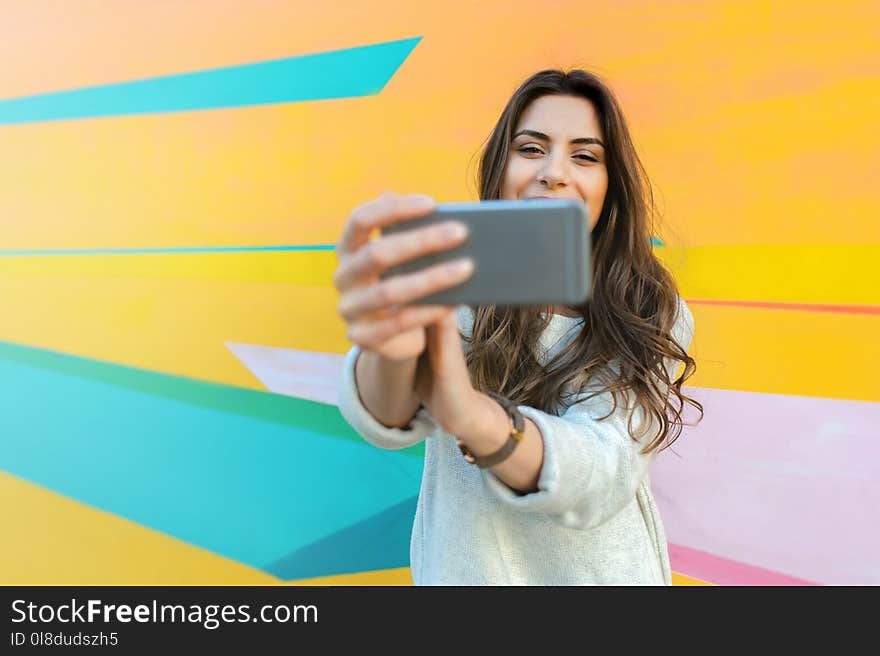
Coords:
629,319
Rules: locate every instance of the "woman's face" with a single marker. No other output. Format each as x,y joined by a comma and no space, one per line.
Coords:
557,152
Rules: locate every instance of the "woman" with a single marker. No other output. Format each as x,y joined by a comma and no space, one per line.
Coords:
557,412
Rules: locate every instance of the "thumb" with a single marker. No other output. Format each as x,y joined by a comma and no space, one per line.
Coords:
447,328
449,343
442,340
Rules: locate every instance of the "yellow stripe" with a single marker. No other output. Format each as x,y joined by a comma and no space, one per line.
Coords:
174,326
780,352
385,577
782,168
826,273
268,175
57,541
403,576
289,174
296,267
832,273
779,150
681,579
180,324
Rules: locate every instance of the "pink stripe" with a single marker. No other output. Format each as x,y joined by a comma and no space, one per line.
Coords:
803,307
307,375
785,483
722,571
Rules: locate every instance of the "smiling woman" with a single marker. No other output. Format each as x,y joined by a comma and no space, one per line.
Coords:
540,423
565,135
554,164
548,160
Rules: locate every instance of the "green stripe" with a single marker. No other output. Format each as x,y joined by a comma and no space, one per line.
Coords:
285,410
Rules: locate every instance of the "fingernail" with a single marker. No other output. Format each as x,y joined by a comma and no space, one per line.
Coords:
422,202
460,267
457,231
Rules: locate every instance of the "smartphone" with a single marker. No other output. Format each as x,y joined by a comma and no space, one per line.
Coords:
525,252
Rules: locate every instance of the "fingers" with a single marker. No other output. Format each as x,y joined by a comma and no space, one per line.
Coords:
388,208
371,334
383,253
376,310
399,290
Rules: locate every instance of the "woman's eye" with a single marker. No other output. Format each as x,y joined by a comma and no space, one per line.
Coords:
530,149
587,158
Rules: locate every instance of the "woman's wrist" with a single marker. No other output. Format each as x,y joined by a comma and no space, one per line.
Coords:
386,388
487,427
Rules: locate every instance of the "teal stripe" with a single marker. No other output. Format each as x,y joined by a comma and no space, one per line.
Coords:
348,73
240,486
265,406
183,250
382,543
168,250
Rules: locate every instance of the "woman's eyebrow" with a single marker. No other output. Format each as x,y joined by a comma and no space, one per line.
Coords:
544,137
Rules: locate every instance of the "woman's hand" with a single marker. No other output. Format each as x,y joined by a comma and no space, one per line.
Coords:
375,310
443,383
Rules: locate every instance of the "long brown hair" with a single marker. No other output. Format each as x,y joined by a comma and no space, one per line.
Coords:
628,321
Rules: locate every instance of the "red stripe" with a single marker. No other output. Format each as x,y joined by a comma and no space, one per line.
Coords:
803,307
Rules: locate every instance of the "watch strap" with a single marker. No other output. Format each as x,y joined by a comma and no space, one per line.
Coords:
515,436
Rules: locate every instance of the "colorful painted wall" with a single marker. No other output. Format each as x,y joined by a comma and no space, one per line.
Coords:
172,178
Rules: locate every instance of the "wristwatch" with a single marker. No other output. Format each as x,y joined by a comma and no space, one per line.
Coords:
517,433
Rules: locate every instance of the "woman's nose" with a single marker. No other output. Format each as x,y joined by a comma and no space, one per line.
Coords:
550,180
553,174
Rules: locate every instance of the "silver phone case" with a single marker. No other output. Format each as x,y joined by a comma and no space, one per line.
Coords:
534,252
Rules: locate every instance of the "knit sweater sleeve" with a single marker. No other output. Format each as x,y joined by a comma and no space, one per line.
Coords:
592,469
366,425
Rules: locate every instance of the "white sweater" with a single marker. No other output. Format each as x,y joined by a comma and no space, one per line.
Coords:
592,521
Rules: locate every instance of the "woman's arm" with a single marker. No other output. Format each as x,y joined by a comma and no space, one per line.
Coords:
361,419
386,388
376,394
487,432
573,466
